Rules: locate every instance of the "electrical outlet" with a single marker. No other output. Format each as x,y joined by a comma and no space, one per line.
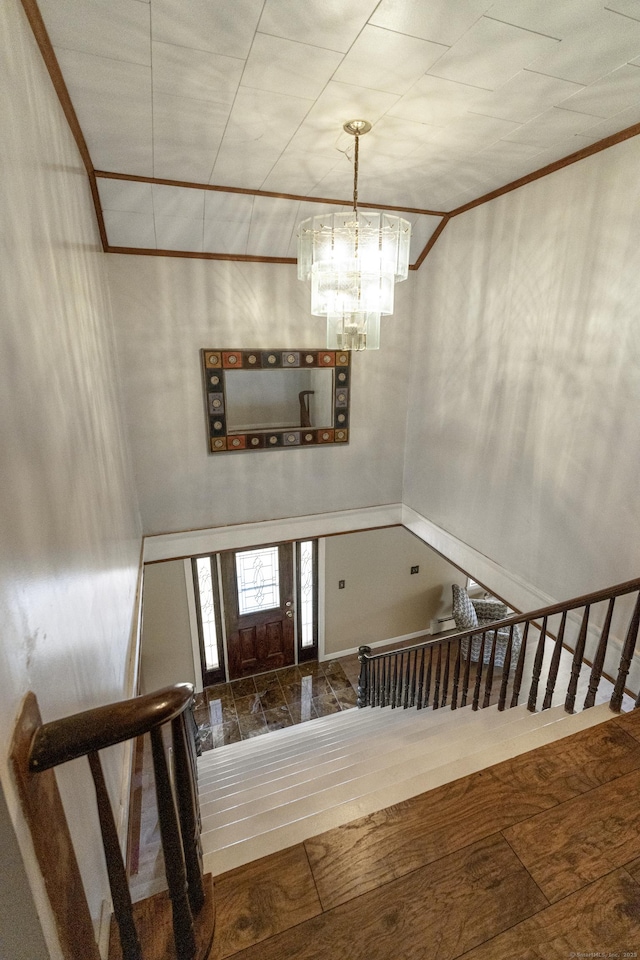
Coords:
340,584
415,569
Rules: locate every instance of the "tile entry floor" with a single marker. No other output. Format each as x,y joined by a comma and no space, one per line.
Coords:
229,712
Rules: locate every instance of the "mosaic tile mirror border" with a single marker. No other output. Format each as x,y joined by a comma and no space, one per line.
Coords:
218,363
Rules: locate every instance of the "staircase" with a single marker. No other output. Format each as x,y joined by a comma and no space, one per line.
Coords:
263,795
260,796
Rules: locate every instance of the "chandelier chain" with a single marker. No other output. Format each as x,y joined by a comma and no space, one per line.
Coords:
355,173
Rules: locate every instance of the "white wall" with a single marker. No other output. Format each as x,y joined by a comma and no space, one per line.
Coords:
166,651
382,599
166,310
523,436
69,530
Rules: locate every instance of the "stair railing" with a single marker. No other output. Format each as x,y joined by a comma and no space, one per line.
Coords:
440,672
85,734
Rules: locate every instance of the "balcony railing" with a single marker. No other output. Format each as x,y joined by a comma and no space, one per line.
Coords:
458,669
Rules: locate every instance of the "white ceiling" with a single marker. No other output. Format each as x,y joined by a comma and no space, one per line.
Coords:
464,97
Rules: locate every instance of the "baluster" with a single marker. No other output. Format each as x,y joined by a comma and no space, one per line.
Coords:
420,680
436,689
363,678
395,681
476,692
502,699
456,678
489,681
115,866
467,667
414,679
517,680
183,932
387,683
577,662
445,680
555,664
598,663
427,685
625,659
401,680
537,668
407,682
188,811
375,699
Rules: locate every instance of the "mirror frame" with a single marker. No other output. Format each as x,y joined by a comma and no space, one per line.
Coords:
217,364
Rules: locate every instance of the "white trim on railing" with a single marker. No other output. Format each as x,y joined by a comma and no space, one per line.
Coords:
192,543
519,594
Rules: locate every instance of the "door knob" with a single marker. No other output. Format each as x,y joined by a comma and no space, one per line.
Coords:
288,603
289,613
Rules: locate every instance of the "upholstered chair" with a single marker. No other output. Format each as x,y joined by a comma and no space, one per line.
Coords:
469,613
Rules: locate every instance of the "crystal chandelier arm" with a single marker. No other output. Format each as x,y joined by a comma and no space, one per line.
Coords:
353,262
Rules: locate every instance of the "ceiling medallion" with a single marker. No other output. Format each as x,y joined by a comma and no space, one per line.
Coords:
353,261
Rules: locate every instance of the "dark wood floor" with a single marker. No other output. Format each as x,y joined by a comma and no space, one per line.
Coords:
536,858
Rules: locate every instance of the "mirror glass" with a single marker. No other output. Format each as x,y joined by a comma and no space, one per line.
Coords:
272,399
260,400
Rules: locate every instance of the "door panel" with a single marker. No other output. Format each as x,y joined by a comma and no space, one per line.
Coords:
261,639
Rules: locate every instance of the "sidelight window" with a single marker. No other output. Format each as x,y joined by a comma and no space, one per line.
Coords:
307,593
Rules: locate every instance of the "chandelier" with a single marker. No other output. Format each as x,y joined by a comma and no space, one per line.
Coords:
354,260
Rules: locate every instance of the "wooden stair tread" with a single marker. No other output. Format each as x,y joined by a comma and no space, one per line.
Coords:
155,928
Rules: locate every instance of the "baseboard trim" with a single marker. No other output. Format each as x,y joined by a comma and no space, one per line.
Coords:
378,643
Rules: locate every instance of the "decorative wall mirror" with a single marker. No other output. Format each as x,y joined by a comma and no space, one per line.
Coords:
269,399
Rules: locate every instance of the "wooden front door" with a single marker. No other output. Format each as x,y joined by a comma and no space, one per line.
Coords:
258,601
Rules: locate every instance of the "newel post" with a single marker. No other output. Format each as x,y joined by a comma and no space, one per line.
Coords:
363,679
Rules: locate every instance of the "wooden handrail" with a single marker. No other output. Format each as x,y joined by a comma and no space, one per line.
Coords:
41,747
92,730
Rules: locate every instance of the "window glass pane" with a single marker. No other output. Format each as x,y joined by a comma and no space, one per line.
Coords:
258,580
207,613
306,593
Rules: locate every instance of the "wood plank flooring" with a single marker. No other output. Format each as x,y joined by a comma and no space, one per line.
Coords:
536,858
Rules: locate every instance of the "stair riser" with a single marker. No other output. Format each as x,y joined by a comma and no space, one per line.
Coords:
411,741
322,729
227,848
227,858
361,776
216,770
